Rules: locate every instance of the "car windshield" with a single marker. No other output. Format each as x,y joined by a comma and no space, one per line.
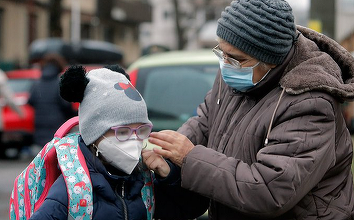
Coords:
20,85
172,94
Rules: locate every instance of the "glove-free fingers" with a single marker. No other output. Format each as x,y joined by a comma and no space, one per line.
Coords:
165,135
160,142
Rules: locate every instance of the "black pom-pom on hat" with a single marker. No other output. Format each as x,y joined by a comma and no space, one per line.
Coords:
73,83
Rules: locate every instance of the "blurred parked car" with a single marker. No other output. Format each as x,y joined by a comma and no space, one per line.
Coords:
84,52
173,84
18,131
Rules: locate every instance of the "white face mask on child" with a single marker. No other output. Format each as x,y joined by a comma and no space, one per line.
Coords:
123,155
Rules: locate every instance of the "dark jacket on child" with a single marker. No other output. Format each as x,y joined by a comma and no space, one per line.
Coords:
119,196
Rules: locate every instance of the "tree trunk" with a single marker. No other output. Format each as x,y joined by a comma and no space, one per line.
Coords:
179,30
55,29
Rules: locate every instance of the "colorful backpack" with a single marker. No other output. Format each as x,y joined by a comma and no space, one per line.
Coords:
32,185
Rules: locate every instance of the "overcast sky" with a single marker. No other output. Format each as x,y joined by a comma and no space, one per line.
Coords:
301,4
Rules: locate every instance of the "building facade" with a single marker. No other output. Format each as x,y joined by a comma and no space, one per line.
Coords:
23,21
196,19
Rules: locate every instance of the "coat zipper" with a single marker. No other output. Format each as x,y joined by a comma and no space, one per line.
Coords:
121,198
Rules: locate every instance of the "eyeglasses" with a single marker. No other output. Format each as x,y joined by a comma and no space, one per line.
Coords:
123,133
220,54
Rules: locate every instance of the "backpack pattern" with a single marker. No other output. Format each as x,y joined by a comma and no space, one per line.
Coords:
76,177
33,184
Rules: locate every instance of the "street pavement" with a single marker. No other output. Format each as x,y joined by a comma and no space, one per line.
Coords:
9,170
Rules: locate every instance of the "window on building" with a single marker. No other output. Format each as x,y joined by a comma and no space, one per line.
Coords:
85,31
108,34
32,27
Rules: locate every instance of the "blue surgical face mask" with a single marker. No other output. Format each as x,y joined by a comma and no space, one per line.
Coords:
238,78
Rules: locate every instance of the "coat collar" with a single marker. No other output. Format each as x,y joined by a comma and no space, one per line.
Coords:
319,64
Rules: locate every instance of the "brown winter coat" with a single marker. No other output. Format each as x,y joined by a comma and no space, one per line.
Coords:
302,169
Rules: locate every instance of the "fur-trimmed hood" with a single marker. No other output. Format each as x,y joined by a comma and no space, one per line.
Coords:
319,63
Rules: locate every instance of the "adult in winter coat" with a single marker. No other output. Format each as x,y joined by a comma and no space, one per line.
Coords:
113,123
270,141
51,110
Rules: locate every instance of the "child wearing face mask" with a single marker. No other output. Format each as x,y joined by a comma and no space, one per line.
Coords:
113,123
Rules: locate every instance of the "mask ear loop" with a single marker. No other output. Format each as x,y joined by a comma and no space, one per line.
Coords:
95,146
145,145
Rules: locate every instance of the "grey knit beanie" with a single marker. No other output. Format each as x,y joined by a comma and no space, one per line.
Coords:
264,29
107,99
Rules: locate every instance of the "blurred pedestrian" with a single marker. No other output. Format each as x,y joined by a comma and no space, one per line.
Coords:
6,94
269,141
51,110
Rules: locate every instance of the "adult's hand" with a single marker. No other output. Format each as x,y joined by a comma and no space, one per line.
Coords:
175,146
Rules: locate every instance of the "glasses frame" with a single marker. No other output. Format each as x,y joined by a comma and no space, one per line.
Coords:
221,55
132,130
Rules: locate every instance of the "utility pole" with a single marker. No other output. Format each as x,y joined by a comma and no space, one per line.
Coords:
75,22
55,29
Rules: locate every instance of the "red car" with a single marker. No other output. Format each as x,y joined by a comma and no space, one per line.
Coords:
18,131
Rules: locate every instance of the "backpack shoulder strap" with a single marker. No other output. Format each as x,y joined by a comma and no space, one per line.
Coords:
147,192
76,175
75,172
66,127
